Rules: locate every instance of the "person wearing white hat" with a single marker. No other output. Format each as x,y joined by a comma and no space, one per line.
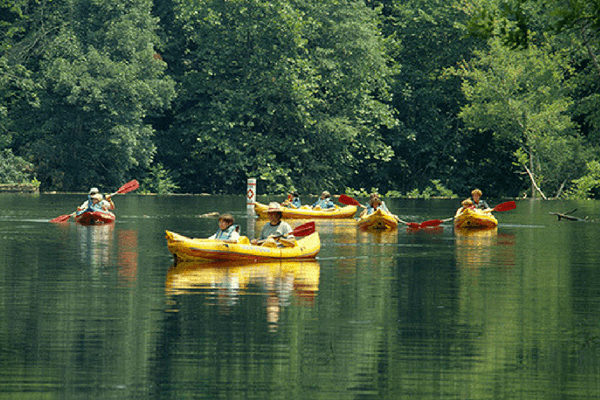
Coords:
95,200
275,233
324,202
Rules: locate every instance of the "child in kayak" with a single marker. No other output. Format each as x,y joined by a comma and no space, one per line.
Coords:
227,231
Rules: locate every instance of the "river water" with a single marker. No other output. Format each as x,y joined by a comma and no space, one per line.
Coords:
100,312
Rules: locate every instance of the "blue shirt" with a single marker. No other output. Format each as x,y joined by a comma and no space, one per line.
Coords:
324,203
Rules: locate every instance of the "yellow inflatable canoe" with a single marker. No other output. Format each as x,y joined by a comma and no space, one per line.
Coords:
188,249
307,212
378,220
474,218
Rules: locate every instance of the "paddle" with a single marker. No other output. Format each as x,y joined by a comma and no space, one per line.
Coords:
126,188
349,201
304,229
63,218
506,206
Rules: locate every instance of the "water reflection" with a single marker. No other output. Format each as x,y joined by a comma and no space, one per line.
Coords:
226,282
482,247
95,244
127,256
100,246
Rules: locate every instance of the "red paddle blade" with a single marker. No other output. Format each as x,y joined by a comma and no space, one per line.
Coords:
433,222
413,225
509,205
62,218
347,200
128,187
304,229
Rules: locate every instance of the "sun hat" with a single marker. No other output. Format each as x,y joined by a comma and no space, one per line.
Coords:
94,190
274,207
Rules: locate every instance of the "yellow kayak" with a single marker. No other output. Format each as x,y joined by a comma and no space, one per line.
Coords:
188,249
474,218
308,212
378,220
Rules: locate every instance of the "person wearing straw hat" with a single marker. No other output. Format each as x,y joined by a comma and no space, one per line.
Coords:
275,233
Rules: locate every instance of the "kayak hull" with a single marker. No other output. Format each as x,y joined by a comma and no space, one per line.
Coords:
378,220
92,217
474,219
307,212
189,249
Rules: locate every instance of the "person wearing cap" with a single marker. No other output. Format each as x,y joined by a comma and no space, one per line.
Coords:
293,200
227,231
324,202
95,200
275,233
477,201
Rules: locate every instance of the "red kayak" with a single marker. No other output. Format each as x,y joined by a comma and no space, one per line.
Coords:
94,217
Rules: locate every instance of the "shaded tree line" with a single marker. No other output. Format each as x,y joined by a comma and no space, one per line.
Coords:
198,95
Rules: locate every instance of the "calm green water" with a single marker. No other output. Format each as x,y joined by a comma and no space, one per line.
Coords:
97,312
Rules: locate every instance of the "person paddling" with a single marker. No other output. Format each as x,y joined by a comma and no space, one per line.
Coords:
324,202
477,201
375,203
293,200
275,233
95,200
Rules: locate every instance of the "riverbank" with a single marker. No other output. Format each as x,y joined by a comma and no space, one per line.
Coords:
19,188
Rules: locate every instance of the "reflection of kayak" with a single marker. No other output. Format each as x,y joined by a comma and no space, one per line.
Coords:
307,212
378,220
187,277
473,235
94,217
474,218
188,249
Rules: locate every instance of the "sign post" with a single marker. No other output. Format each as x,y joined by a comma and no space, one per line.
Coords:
250,201
251,195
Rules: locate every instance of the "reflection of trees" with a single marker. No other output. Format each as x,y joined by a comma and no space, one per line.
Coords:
442,316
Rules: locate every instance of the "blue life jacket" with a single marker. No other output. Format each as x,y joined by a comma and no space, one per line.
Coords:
324,203
91,206
226,234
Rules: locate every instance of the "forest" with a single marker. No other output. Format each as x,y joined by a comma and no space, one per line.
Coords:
403,97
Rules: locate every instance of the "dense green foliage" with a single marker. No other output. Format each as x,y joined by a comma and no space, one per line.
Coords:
197,96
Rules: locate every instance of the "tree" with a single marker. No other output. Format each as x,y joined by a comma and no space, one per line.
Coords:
289,92
522,98
99,78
